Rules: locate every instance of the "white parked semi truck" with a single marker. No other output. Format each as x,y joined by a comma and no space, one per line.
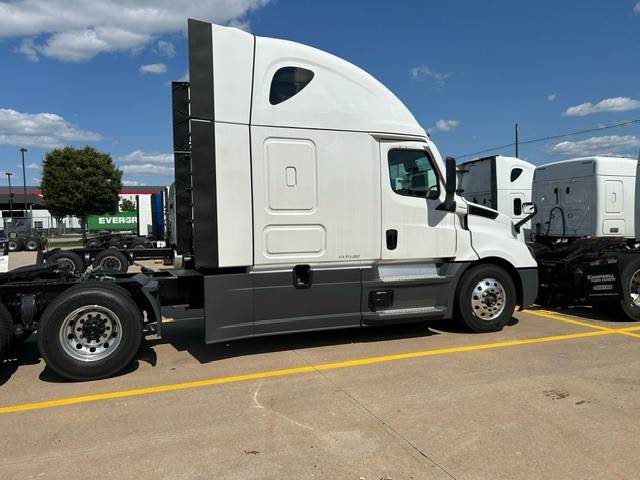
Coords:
585,230
498,182
306,197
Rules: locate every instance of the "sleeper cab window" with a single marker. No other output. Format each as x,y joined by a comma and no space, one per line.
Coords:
288,82
515,174
412,174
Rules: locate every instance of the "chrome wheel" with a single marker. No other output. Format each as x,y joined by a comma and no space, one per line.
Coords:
90,333
634,288
488,298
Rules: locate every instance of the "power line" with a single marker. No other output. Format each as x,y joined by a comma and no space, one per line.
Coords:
552,137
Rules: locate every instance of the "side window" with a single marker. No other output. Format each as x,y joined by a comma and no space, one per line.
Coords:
412,174
287,82
515,174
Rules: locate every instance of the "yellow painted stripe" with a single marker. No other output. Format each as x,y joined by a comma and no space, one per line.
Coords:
629,334
553,316
622,331
292,371
628,329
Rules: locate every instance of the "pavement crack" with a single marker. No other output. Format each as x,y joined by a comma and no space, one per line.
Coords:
408,442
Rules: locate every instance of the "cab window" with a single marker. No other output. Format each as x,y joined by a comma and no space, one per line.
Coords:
412,174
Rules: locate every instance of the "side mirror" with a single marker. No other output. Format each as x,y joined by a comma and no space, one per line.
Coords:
529,209
451,180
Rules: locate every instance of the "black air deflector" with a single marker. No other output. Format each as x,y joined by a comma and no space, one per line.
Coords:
182,169
203,158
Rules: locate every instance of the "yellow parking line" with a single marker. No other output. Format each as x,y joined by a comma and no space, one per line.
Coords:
622,331
553,316
293,371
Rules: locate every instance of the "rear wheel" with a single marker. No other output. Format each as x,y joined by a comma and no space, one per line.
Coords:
138,245
93,243
31,244
630,302
15,244
70,261
111,259
90,331
7,331
485,299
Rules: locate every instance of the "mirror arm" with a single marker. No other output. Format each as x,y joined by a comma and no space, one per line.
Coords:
528,217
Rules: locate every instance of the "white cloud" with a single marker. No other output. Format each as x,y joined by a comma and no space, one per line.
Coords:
444,126
153,68
166,48
618,104
27,47
143,163
77,30
551,97
147,169
42,130
138,156
422,71
605,145
133,183
636,9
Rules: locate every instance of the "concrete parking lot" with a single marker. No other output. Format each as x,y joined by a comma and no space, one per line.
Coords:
554,395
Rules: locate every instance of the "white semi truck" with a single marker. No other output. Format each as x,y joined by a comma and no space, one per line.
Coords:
306,197
498,182
585,230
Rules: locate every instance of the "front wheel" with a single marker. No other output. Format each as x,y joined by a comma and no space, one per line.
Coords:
90,331
485,299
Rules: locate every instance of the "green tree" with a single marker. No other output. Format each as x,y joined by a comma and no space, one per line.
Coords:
127,205
80,182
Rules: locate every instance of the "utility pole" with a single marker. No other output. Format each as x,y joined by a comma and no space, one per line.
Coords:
10,198
24,179
517,141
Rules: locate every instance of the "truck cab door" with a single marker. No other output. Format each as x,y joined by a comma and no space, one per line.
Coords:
412,189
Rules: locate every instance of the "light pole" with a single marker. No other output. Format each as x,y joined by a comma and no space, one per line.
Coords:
24,179
10,198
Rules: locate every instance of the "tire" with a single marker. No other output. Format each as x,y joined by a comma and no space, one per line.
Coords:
31,244
93,243
4,342
485,299
114,243
90,331
630,278
15,244
67,260
7,331
138,245
111,259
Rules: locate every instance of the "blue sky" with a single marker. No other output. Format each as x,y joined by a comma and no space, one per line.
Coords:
75,72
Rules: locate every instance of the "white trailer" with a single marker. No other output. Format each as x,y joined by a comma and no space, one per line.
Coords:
307,197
